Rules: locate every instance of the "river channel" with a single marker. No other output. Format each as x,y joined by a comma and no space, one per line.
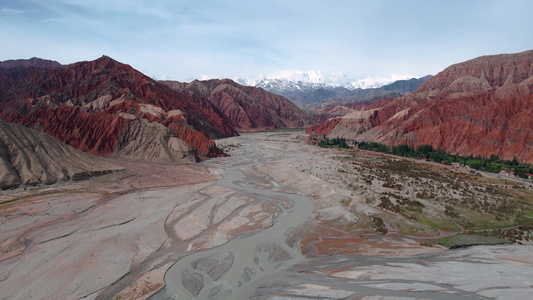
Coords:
265,264
249,257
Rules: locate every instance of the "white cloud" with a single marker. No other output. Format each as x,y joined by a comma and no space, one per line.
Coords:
10,11
184,39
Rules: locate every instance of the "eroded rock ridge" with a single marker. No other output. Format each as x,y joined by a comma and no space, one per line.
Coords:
480,107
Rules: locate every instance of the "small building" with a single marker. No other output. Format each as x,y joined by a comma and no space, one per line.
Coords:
529,176
503,172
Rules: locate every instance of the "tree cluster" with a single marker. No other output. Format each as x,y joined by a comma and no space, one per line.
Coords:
334,142
490,164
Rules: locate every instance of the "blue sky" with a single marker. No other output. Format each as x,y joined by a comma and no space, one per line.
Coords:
187,39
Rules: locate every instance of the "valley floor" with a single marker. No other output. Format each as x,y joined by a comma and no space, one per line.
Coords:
279,219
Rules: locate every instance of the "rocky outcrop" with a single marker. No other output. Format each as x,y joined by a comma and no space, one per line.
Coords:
247,107
347,102
32,157
479,107
510,74
144,140
88,105
324,128
335,111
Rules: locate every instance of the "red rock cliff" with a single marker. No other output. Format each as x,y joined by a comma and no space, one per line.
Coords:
88,104
480,107
247,107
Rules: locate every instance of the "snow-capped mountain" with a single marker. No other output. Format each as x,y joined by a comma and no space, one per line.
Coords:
298,80
304,88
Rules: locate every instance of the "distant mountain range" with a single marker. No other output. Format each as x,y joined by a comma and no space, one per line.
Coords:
479,107
301,79
246,107
306,89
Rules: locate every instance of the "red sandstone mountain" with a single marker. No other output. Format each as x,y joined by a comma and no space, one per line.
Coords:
334,111
90,105
482,106
247,107
33,62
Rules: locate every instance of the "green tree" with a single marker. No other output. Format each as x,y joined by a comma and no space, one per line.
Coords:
425,149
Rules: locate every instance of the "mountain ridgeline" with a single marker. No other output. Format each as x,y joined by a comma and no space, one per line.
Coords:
311,96
478,107
247,107
104,107
88,105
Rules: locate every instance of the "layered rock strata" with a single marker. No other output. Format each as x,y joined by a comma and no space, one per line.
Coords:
247,107
479,107
88,105
30,157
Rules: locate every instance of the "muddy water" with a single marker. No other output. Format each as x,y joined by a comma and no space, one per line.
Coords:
256,255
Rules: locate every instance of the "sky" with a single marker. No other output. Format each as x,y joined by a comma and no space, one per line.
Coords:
183,40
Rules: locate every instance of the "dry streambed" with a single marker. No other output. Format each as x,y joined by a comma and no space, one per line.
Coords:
225,272
238,226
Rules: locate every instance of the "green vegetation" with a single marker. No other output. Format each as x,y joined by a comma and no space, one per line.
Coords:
489,164
525,219
378,224
419,198
333,143
441,198
516,234
441,224
468,239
